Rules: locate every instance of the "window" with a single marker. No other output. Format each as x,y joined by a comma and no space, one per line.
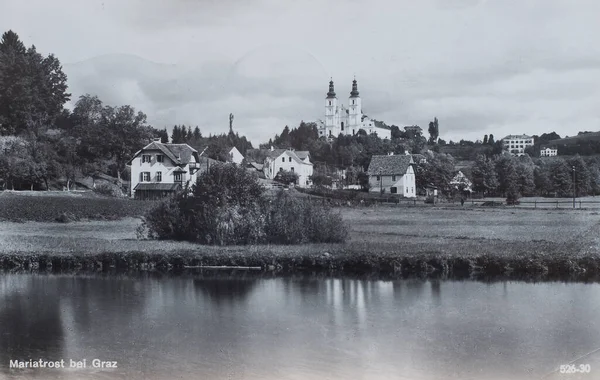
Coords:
330,102
145,176
292,169
290,159
393,178
158,176
378,178
146,158
282,159
342,125
280,169
393,190
407,190
160,158
412,189
352,101
178,177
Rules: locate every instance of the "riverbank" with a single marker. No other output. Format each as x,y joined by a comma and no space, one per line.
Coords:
385,241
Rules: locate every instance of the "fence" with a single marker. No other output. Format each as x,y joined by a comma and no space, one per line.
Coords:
579,204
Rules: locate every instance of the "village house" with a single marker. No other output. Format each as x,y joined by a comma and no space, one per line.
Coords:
548,152
160,169
461,182
295,161
235,156
394,174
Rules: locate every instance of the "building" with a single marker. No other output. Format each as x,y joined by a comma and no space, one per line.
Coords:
348,120
158,169
235,156
394,173
548,152
516,144
288,160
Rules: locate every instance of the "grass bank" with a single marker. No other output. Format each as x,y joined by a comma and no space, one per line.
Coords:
384,241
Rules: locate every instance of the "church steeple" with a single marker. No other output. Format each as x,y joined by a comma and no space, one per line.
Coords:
354,92
331,93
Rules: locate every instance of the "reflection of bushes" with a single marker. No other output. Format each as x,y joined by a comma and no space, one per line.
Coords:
228,206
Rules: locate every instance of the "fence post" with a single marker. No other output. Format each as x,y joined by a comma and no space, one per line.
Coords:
534,204
556,204
580,204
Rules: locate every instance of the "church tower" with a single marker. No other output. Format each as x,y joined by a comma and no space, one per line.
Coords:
331,111
355,110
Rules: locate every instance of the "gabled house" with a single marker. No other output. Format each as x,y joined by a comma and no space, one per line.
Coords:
461,182
288,160
394,174
235,156
159,169
547,151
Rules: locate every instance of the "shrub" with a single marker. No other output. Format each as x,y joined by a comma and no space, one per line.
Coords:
228,206
108,190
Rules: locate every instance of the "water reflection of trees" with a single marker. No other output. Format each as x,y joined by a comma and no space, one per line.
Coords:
30,324
225,289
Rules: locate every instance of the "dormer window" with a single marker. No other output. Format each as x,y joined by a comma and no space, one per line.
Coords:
160,158
146,158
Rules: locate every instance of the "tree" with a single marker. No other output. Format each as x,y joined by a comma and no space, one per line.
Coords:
434,131
363,180
485,140
321,180
507,175
559,176
286,177
583,184
484,175
491,140
31,86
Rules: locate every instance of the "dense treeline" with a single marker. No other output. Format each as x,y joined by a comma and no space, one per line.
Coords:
217,146
523,176
44,145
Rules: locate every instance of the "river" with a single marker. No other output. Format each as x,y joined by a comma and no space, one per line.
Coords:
240,327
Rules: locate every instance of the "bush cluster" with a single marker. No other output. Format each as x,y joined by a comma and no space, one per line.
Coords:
228,206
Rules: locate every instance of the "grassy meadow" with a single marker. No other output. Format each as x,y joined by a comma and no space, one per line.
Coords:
387,239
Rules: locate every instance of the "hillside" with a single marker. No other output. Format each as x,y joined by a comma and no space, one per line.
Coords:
574,140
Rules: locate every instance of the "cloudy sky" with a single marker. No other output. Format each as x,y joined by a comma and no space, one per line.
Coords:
481,66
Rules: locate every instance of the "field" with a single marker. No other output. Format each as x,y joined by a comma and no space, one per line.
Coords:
47,206
391,239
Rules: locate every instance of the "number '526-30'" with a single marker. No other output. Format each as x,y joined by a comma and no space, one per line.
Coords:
572,368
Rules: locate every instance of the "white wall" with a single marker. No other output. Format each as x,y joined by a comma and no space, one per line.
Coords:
406,185
273,166
137,167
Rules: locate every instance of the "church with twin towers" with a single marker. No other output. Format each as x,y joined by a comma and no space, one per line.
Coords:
340,119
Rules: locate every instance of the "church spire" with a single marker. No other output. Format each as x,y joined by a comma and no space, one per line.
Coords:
331,93
354,93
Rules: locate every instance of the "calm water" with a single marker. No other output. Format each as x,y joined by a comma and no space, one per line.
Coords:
296,328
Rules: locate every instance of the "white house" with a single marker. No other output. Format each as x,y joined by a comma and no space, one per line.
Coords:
348,120
548,152
516,144
288,160
160,169
394,173
235,156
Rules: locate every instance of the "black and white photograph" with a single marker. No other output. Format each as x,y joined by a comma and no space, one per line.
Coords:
290,190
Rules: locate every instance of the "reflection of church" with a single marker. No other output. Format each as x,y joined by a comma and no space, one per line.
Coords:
348,121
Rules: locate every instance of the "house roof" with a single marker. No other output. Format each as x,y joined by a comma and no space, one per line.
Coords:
157,186
302,154
390,165
512,137
180,154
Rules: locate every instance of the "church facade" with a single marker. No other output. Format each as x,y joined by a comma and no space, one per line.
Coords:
340,119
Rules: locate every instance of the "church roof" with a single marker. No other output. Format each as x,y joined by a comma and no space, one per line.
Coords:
390,165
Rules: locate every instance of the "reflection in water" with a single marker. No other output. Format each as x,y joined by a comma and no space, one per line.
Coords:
30,323
289,328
